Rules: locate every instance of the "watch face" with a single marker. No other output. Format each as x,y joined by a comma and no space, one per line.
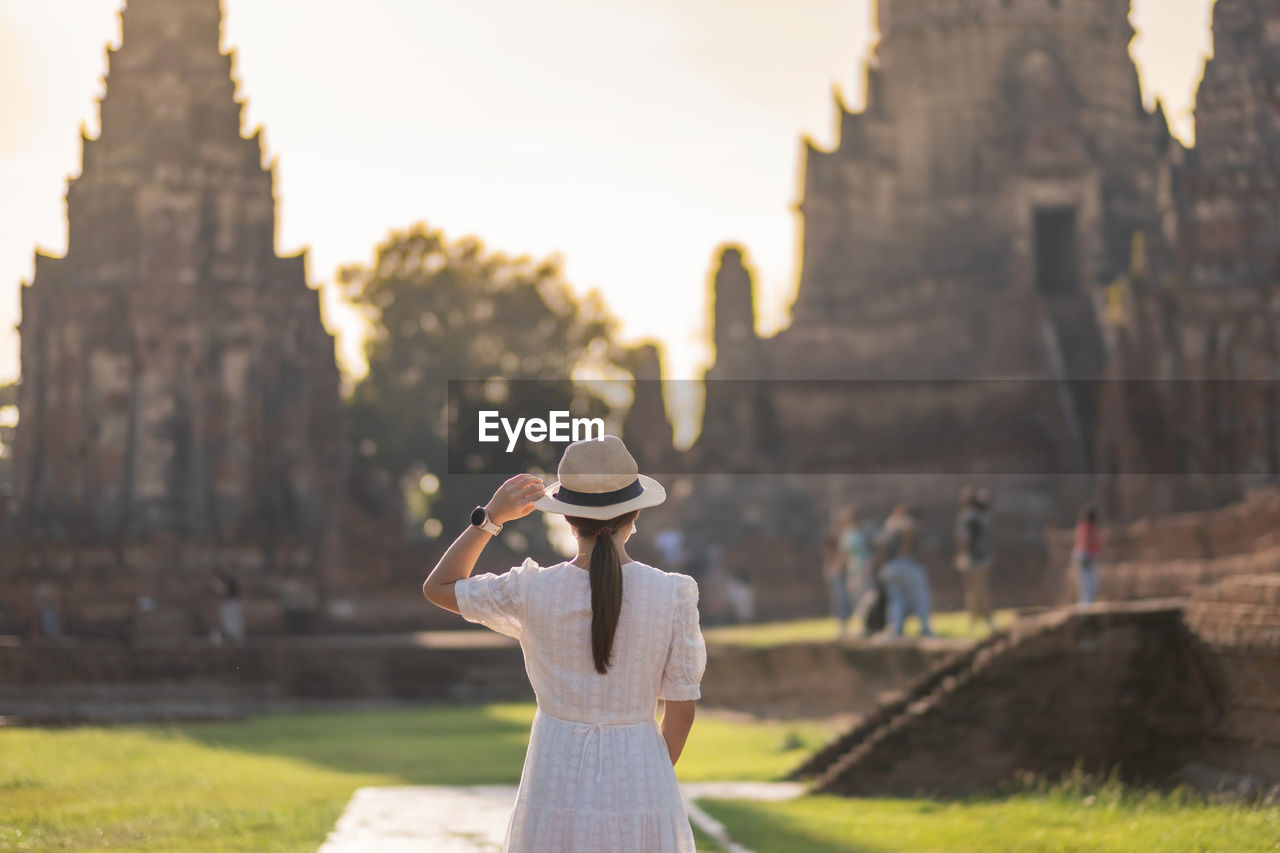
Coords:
477,516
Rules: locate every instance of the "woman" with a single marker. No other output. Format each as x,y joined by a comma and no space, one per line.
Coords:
604,638
973,554
834,571
904,578
855,556
1085,553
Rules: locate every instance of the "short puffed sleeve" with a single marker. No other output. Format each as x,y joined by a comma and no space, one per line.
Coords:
687,656
496,601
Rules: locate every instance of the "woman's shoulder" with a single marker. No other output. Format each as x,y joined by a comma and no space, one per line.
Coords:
530,570
659,576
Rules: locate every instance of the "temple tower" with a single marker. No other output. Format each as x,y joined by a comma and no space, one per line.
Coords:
734,309
1002,161
1207,326
647,427
177,379
1231,187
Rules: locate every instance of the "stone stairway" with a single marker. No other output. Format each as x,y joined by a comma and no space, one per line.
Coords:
1105,686
842,746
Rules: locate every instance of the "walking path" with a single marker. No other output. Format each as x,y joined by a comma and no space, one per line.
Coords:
473,819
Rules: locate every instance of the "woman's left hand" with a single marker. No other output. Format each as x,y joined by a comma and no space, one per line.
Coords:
514,498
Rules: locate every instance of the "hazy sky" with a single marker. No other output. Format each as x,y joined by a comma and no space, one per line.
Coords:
630,136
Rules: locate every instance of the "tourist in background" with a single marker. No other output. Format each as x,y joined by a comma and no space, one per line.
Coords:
1085,553
670,544
834,572
48,621
855,550
905,580
742,598
715,584
231,611
973,553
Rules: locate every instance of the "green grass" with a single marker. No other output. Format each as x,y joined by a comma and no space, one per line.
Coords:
278,782
956,625
1120,821
704,842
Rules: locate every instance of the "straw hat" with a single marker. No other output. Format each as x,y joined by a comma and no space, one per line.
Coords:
598,478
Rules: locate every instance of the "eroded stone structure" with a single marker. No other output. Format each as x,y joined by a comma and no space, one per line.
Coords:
1193,417
179,399
1177,691
988,216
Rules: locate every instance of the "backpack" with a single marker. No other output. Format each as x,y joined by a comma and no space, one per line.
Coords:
878,613
977,528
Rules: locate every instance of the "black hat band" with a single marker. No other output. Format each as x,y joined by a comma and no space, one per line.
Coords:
617,496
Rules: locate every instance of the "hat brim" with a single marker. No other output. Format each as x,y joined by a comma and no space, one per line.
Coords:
652,493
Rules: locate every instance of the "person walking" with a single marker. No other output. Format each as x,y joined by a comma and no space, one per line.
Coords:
856,555
834,572
1085,553
973,553
604,639
905,580
742,597
231,625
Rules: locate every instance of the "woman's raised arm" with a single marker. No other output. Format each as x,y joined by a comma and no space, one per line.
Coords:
513,499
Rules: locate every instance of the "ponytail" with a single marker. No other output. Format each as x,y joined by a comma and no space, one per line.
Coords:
606,582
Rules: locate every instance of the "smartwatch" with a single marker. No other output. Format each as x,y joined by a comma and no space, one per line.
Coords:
480,518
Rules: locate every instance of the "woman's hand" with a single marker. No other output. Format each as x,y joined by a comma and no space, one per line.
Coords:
514,498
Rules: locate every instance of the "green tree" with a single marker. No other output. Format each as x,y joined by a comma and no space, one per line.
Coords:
441,310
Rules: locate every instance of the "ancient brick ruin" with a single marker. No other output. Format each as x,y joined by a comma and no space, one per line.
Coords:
1005,208
1197,323
1162,691
180,411
957,229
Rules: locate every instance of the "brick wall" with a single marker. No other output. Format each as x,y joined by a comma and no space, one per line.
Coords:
815,679
1160,690
803,679
1171,555
1237,624
1117,686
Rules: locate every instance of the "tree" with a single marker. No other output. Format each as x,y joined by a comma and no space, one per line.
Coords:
440,311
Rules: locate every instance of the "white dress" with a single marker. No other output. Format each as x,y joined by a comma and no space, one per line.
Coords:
597,777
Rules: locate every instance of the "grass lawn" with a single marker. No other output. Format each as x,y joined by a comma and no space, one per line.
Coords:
278,782
823,630
1056,821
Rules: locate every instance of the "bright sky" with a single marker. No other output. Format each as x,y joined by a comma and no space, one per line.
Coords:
630,136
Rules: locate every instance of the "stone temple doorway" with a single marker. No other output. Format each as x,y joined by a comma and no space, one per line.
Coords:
1057,268
1071,333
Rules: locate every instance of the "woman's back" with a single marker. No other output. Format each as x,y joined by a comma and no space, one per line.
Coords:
658,651
1088,538
597,775
557,643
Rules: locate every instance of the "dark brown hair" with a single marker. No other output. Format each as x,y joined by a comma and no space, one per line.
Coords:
606,581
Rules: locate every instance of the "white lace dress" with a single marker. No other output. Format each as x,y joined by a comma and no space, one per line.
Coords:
597,777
